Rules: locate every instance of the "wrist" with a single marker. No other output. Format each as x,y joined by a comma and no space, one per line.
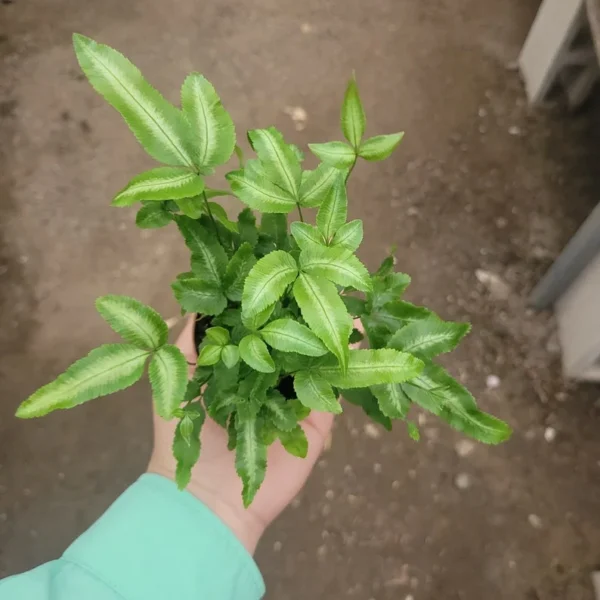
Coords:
246,527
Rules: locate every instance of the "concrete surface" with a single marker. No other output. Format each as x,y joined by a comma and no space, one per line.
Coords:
481,196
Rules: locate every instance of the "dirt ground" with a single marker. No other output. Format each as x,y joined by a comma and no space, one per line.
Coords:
481,182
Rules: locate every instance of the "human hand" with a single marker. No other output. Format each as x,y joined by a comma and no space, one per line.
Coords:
214,479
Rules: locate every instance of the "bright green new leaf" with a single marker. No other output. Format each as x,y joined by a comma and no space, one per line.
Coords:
104,370
230,356
153,216
162,183
364,398
279,160
267,281
306,235
255,353
380,146
186,444
439,393
196,295
192,207
334,154
133,321
372,367
239,266
325,313
209,355
349,235
333,212
159,127
413,431
353,118
317,185
336,264
315,393
429,337
211,125
294,441
287,335
281,412
186,429
252,186
168,378
209,259
250,456
393,402
219,336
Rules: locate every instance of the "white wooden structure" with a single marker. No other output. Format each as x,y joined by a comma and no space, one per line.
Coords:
560,50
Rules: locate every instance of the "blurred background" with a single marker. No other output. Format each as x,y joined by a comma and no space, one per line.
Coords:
479,199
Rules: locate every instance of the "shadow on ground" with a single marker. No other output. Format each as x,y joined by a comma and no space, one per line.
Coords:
481,183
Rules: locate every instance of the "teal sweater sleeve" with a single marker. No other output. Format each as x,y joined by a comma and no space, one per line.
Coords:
153,543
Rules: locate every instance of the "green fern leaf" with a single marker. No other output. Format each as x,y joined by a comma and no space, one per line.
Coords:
198,296
336,264
334,154
255,353
380,146
349,235
239,266
353,118
186,444
159,127
168,377
250,456
317,185
287,335
333,212
314,392
306,235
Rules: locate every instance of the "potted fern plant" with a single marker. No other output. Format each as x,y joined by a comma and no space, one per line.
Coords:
274,302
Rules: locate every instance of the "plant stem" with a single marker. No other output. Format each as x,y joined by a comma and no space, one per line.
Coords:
211,217
300,212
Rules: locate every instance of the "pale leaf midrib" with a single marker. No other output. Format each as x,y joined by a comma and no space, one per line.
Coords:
428,341
157,183
283,166
281,272
316,188
277,199
136,325
96,58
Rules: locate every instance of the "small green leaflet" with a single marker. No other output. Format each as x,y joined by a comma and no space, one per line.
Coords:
195,295
219,336
253,188
334,210
208,256
306,235
287,335
159,127
315,392
279,160
364,398
334,154
104,370
153,216
317,185
413,431
439,393
393,402
239,266
250,456
133,321
387,288
281,412
353,120
380,146
168,378
325,313
162,183
294,441
336,264
349,235
429,337
372,367
267,281
209,355
211,124
192,207
230,356
255,353
186,428
186,444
